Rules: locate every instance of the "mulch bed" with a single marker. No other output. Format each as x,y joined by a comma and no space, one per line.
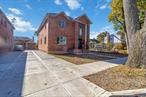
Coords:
119,78
114,54
82,58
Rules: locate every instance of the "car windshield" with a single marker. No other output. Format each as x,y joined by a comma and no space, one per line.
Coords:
19,46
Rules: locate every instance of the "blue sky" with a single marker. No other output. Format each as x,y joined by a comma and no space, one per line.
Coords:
29,14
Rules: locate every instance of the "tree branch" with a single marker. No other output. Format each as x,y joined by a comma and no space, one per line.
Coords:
116,18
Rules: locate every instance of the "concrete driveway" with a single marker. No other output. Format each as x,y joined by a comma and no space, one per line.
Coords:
37,74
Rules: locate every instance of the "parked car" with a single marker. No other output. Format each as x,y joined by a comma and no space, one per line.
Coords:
19,48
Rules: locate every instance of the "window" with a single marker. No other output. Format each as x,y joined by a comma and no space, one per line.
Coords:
61,40
62,24
5,23
41,41
46,27
44,40
86,35
80,31
5,38
1,21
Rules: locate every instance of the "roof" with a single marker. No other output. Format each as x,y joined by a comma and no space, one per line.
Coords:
22,38
7,19
56,14
84,15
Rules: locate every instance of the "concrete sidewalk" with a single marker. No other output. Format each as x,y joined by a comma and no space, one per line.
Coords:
69,78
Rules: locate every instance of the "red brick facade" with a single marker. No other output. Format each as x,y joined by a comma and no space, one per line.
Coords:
59,33
6,33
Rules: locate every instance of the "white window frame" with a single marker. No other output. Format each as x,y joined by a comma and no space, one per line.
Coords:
62,40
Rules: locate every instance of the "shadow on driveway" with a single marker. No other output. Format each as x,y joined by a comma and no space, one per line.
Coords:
12,69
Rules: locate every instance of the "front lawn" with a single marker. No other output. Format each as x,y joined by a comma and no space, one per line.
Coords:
119,78
81,58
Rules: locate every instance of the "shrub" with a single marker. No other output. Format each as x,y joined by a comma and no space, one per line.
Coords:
119,46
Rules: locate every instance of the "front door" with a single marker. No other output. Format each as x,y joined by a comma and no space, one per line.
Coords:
80,44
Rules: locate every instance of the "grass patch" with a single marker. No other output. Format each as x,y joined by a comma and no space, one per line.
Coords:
119,78
81,58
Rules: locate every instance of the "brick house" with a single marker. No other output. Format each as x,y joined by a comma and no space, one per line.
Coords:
59,33
26,42
6,33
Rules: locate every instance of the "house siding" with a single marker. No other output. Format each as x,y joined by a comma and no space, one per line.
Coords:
6,34
56,31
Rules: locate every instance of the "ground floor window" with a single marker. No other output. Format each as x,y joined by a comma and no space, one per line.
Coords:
44,40
61,40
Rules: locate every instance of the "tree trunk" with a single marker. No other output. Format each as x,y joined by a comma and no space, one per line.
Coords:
136,38
144,27
125,30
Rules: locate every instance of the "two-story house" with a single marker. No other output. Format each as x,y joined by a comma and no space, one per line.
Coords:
6,33
59,33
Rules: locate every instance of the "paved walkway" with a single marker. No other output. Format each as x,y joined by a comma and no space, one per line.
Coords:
37,74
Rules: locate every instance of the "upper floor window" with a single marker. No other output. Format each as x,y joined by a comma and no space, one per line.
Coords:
62,24
2,21
80,30
5,24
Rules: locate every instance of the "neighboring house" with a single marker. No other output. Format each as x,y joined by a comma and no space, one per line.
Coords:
26,42
59,33
93,43
6,33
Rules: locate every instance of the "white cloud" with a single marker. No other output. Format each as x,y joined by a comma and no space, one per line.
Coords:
67,13
20,24
108,28
28,6
15,11
82,8
103,7
58,2
73,4
93,35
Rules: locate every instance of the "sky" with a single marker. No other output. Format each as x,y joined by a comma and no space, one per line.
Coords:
29,14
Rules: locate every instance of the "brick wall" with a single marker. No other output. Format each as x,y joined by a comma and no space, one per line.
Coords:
6,34
51,31
56,31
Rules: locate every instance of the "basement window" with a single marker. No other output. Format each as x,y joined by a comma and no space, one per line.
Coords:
61,40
